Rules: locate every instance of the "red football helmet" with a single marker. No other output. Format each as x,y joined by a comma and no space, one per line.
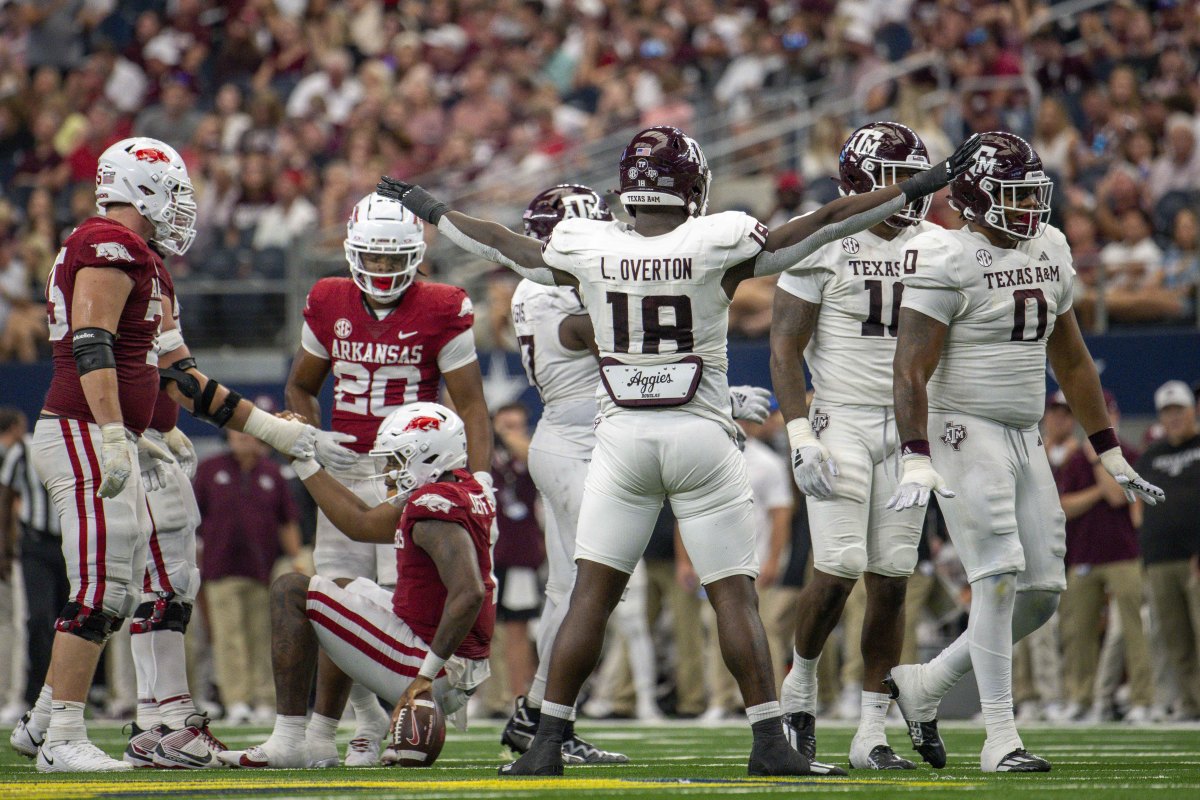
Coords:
881,154
662,166
557,203
1005,188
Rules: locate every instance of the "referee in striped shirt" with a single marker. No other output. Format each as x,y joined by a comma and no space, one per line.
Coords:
40,538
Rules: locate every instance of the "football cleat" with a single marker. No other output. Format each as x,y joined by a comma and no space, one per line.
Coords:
881,756
191,747
25,738
542,759
580,751
79,755
521,727
363,751
920,713
258,757
800,728
1021,760
140,750
774,756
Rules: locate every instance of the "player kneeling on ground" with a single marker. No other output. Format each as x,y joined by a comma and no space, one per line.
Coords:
432,634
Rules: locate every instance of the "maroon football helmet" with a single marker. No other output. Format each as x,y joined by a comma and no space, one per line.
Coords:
557,203
880,154
997,189
662,166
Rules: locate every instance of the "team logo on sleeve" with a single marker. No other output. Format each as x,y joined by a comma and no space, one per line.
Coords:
434,502
112,251
955,434
342,328
819,422
851,245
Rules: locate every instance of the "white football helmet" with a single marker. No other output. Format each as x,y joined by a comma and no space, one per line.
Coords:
150,176
419,442
382,227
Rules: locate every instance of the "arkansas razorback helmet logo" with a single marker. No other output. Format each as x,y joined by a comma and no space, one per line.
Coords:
423,424
152,155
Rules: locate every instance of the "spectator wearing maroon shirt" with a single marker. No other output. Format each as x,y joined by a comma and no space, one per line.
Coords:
520,550
249,519
1102,562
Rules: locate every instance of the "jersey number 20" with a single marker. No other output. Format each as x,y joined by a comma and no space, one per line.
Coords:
360,391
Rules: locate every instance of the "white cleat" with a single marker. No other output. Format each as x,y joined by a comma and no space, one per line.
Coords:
322,755
258,757
191,747
79,755
916,702
139,752
26,738
363,751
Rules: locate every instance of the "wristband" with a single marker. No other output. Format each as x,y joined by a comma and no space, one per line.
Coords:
800,433
306,468
1104,440
431,666
915,447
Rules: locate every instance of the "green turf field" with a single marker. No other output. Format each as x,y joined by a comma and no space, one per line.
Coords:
674,760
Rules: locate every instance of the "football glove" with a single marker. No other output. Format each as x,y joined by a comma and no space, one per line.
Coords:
330,452
412,197
485,480
1134,485
940,174
115,462
812,467
750,403
917,481
181,447
152,461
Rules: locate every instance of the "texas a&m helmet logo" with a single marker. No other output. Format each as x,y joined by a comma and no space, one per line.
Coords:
153,155
985,161
819,422
865,142
955,434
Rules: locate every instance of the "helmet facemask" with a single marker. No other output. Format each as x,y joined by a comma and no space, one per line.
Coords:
1019,208
889,173
175,223
388,280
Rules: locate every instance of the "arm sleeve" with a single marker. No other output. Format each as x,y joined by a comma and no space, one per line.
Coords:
458,352
773,263
540,275
310,342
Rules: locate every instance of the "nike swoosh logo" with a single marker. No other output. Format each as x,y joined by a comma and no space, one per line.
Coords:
402,335
49,760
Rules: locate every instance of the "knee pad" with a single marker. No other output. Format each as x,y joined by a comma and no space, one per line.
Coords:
850,563
87,623
1032,610
162,614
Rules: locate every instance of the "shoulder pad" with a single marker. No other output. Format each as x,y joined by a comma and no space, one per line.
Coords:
109,244
939,252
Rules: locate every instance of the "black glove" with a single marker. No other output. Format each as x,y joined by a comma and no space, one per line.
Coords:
414,198
941,173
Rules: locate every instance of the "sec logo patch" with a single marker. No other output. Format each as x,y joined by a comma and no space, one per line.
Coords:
984,258
342,328
851,245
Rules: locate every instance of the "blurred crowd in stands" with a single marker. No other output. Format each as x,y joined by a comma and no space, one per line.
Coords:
287,111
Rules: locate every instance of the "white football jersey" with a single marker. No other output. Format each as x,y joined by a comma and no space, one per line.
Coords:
857,283
565,379
1000,305
655,300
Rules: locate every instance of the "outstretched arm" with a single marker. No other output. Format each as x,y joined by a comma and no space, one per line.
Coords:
346,510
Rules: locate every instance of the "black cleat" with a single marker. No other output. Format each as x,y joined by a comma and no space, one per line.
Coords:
542,758
1021,760
800,728
522,727
884,757
924,735
774,756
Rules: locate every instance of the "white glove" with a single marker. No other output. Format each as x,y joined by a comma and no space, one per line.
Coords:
917,481
152,461
485,480
1133,484
115,463
812,466
181,447
751,403
292,438
330,452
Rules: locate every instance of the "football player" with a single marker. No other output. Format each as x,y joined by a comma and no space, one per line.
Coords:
983,308
837,310
104,302
389,341
433,631
558,351
658,296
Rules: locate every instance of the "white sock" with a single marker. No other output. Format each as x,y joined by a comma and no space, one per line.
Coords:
873,722
66,722
322,730
800,686
39,719
990,632
537,691
146,717
369,717
288,733
763,711
170,677
558,710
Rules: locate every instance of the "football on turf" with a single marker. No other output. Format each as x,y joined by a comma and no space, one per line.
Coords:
418,733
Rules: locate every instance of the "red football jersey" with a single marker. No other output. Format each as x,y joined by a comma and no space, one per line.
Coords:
166,410
100,242
379,365
420,594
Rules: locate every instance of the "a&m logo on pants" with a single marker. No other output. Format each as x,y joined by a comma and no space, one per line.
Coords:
820,421
955,434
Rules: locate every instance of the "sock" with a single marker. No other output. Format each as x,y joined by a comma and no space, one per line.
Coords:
39,718
990,632
322,730
66,722
288,733
146,717
537,692
370,721
873,722
800,686
556,720
766,719
170,677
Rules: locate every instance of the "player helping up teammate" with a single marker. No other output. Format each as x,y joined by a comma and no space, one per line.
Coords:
658,296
